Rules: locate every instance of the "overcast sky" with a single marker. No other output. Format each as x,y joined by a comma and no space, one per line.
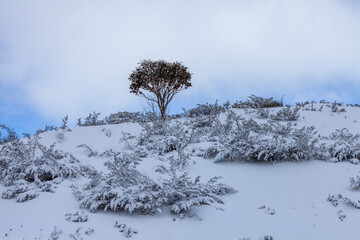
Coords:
73,57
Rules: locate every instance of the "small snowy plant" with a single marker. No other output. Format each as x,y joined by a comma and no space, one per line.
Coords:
91,120
268,143
345,145
355,182
127,231
126,189
55,234
336,199
30,168
90,152
78,216
286,114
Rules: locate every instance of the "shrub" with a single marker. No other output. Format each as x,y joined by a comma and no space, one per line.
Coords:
345,145
336,199
126,189
78,216
11,134
30,168
355,182
90,152
204,110
287,114
258,102
251,141
91,120
121,117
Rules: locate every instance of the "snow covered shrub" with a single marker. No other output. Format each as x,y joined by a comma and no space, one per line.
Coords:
158,127
125,189
336,199
65,123
177,141
30,168
76,235
279,129
211,152
204,110
106,131
55,234
11,134
203,121
181,192
258,102
263,112
345,146
171,137
121,117
60,136
335,107
355,182
341,215
260,142
286,114
90,152
267,237
268,210
46,129
129,140
91,120
78,216
128,231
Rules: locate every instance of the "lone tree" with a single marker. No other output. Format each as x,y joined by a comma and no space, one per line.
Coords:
159,81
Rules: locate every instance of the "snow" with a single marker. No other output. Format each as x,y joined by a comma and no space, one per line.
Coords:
294,193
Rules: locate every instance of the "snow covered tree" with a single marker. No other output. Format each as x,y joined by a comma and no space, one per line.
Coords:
159,81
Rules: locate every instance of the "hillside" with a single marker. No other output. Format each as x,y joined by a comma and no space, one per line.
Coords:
280,178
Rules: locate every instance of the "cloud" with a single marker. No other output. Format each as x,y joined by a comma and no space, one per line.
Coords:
72,57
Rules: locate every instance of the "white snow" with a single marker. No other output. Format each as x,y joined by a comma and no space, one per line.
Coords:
295,192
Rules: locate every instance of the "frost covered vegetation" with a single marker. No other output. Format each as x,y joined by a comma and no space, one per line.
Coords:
28,168
149,170
126,189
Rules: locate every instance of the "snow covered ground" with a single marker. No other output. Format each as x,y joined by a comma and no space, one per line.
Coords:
285,200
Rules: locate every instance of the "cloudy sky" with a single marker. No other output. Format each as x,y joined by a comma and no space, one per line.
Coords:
73,57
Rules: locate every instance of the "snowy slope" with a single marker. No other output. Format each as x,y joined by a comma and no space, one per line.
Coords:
294,193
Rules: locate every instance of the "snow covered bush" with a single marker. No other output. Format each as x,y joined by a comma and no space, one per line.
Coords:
106,131
335,107
55,234
157,127
336,199
286,114
345,146
165,138
355,182
11,134
127,231
264,142
211,152
258,102
46,129
263,112
90,152
204,110
78,216
124,188
29,168
91,120
121,117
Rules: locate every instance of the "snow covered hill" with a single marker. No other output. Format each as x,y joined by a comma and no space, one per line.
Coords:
280,178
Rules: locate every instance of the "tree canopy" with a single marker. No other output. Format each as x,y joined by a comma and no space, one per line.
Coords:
159,81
